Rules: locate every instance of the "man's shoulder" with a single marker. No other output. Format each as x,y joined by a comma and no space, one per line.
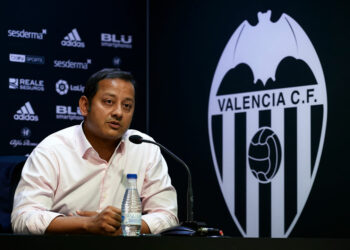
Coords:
64,136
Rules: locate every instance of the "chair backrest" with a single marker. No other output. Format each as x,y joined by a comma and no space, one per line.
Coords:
10,174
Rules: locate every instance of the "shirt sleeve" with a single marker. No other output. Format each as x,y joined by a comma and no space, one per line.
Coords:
34,194
159,199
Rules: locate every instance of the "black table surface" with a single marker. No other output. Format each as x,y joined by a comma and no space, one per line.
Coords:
62,242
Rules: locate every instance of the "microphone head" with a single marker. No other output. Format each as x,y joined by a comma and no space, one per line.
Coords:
136,139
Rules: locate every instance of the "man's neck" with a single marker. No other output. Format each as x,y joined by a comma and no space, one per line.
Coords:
104,147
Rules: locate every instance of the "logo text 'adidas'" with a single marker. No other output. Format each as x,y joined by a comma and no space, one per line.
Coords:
73,40
26,113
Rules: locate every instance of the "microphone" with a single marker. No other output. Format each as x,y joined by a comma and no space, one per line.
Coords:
138,140
135,139
189,227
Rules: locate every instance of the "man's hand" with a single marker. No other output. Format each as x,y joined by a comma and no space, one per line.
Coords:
107,222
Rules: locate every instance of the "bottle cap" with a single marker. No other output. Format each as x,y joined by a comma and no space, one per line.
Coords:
131,176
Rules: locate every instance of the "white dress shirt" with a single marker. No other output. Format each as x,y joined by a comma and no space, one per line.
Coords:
64,174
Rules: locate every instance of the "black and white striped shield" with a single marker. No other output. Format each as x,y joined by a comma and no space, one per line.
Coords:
267,119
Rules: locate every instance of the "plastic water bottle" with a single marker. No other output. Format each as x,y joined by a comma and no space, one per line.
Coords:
131,208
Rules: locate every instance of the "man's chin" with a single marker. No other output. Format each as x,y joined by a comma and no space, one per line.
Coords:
115,134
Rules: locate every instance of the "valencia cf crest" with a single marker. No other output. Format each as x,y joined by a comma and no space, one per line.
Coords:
267,118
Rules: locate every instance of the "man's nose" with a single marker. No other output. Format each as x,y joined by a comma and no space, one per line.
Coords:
117,111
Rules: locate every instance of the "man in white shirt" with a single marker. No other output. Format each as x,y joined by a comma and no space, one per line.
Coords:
75,179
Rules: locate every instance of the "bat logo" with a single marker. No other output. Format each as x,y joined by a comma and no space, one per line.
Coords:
267,118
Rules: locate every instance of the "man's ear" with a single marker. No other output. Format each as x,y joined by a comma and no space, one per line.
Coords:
84,105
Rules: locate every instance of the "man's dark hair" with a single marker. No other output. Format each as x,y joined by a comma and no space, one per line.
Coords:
91,86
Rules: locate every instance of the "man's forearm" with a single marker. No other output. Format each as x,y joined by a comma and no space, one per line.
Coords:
83,225
70,224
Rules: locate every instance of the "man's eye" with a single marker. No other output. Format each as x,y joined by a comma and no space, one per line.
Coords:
127,106
108,101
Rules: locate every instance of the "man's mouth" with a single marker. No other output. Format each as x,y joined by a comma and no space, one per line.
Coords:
114,124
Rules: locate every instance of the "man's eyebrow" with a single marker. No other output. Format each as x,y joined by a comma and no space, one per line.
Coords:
129,99
109,94
113,95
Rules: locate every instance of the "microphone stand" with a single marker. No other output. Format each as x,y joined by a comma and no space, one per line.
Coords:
189,181
188,227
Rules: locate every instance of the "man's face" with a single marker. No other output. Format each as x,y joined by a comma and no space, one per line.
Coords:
110,112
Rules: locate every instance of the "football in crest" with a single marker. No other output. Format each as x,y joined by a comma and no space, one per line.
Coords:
264,155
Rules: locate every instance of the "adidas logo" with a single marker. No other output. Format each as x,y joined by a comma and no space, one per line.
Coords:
73,40
26,113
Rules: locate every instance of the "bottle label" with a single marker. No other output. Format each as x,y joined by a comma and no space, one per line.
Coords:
131,219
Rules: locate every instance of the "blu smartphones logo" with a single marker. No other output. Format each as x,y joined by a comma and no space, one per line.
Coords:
267,119
64,112
116,41
27,34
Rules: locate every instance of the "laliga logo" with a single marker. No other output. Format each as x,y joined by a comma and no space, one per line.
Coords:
267,118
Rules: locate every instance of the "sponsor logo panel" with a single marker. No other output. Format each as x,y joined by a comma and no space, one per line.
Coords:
62,87
31,59
116,41
64,112
26,84
27,34
26,113
68,64
72,39
24,141
116,61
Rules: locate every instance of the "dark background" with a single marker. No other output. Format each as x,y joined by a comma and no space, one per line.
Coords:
187,39
180,42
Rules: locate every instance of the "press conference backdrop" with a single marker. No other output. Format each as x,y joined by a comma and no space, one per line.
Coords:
251,95
48,51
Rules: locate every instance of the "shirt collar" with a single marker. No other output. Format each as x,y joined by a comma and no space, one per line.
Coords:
84,147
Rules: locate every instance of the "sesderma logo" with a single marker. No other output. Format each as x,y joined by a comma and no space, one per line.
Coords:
26,113
27,34
71,65
73,40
